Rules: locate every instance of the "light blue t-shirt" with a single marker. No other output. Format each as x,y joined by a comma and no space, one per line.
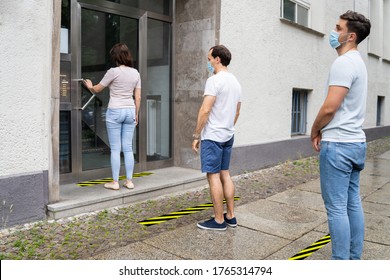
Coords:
227,90
349,71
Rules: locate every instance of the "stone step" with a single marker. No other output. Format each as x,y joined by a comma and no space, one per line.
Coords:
75,200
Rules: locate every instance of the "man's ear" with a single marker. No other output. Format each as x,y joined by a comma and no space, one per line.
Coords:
354,36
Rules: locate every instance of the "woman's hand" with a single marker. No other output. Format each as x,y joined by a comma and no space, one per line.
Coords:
88,83
94,89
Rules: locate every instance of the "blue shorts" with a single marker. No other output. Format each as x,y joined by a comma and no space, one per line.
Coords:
215,156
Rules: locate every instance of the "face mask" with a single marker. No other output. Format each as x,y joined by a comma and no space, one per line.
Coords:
334,39
210,67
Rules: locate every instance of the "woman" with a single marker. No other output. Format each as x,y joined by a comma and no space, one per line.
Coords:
124,83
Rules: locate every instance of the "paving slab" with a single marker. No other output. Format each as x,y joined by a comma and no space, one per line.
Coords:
377,166
286,221
239,243
377,229
136,251
294,196
311,186
376,208
375,251
382,195
324,228
385,156
301,243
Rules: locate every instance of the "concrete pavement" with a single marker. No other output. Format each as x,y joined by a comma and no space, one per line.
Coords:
276,228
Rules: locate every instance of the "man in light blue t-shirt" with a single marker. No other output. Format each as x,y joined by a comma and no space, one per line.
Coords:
215,133
338,135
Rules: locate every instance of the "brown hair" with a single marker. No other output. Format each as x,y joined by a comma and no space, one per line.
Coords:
121,55
357,23
223,53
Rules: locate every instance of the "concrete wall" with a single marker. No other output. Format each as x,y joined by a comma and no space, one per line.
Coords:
25,90
196,30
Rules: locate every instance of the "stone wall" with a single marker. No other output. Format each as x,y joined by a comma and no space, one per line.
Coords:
196,30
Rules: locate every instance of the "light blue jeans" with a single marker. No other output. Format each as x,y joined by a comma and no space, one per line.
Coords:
340,166
120,128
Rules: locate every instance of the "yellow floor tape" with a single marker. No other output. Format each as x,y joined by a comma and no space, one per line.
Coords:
106,180
312,248
177,214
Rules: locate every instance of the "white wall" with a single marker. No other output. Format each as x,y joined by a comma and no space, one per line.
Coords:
271,57
25,71
379,61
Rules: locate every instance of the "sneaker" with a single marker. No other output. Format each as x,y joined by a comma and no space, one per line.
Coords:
128,184
112,186
230,222
212,225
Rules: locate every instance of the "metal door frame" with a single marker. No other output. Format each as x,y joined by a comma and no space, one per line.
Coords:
77,174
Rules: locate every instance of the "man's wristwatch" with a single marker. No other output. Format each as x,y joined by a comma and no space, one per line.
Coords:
196,136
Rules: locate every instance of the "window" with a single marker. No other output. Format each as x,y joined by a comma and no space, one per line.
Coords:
295,11
298,112
65,27
380,105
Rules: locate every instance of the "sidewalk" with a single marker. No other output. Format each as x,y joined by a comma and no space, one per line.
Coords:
276,228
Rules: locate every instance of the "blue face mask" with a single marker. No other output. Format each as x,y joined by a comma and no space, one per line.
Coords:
334,39
210,67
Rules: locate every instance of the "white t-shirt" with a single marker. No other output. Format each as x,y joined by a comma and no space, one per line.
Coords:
348,71
227,90
121,81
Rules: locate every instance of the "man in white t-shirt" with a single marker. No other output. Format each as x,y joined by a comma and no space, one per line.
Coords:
215,133
338,135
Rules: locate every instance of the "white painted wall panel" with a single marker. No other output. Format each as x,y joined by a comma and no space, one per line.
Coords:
25,71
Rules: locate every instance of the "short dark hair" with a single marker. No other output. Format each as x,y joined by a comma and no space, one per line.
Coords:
357,23
223,53
121,55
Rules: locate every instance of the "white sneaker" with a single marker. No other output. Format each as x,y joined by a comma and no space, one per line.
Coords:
128,184
112,186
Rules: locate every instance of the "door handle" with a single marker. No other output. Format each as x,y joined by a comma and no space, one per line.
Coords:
84,86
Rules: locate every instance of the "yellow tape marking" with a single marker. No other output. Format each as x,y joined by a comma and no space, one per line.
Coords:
312,248
106,180
178,214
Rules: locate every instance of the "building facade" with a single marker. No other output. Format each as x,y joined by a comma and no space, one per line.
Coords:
52,129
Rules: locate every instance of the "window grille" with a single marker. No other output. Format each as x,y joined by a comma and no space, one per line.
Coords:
298,112
380,110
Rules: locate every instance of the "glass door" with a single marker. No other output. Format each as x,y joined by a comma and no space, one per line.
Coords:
99,32
94,26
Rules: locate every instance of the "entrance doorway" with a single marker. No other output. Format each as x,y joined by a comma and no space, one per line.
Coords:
93,27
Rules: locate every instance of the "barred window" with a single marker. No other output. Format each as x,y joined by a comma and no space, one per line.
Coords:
380,111
298,112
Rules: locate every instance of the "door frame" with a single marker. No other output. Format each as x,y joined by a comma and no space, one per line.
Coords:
77,174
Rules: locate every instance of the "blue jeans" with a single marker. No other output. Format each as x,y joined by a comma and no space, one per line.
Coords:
340,166
120,128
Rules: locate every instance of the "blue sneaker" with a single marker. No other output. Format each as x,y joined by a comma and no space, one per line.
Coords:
230,222
212,225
